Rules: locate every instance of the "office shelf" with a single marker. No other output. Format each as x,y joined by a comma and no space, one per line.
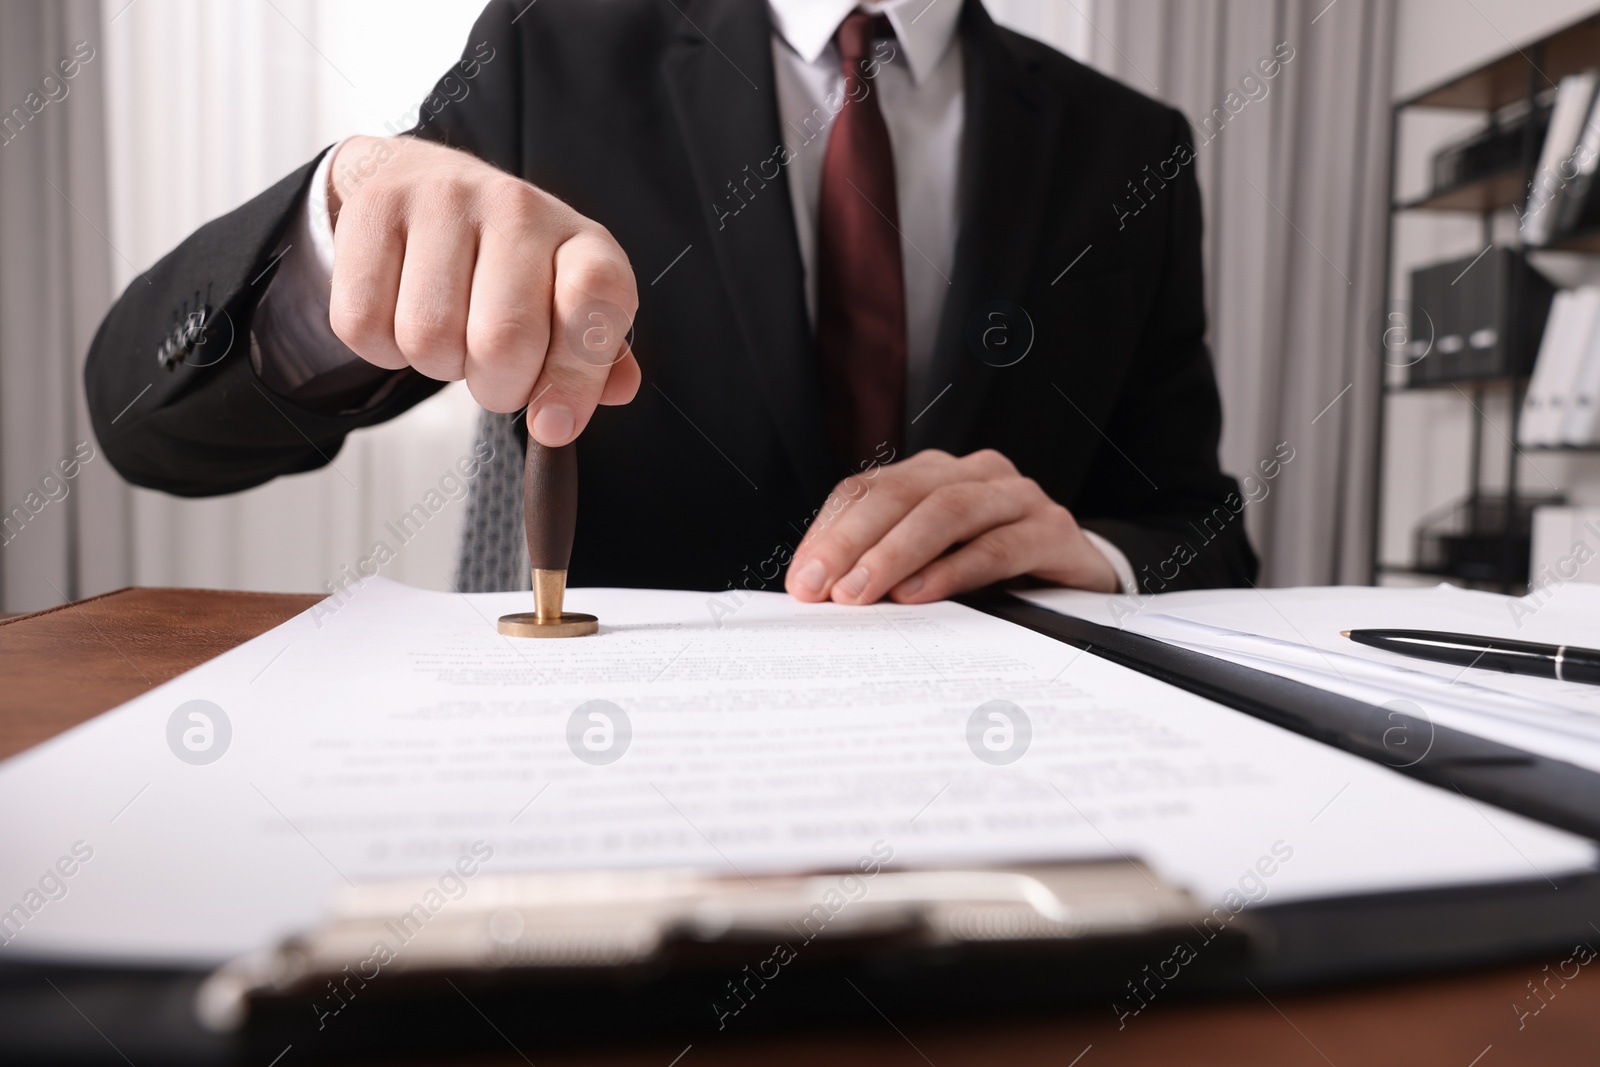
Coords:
1489,193
1582,241
1411,570
1414,570
1464,384
1527,76
1505,80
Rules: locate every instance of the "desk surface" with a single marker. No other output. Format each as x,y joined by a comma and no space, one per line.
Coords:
63,666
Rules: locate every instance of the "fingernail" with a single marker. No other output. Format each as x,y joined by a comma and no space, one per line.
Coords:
812,576
910,585
553,424
856,581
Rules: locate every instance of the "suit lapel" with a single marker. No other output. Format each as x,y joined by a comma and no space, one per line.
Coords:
720,80
1008,148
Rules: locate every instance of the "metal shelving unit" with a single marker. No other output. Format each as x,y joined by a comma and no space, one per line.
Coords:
1519,76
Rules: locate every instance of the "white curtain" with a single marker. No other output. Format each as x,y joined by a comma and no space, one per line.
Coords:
208,103
1065,25
62,510
1294,171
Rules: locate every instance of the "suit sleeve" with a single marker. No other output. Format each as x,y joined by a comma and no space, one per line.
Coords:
1161,496
172,394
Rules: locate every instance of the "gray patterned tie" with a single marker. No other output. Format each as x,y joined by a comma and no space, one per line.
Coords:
494,552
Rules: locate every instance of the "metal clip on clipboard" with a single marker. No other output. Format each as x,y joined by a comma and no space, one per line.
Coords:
572,926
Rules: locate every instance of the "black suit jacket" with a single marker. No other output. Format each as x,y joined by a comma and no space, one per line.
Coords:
643,116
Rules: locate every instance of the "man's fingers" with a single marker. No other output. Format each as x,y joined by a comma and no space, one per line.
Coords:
592,314
508,324
448,265
855,487
948,515
861,511
369,248
623,385
430,320
1002,552
884,534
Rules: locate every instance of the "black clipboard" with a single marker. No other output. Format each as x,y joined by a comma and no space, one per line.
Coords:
149,1016
1551,791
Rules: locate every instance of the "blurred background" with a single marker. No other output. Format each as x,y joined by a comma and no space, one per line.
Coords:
1393,136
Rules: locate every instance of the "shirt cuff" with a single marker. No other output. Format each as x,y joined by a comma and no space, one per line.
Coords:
1119,562
318,224
293,343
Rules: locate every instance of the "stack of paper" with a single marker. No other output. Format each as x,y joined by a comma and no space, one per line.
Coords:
1295,633
395,734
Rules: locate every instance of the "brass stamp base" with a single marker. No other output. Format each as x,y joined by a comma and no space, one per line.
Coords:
547,619
529,624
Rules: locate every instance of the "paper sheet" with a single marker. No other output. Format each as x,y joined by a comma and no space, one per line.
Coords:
395,732
1296,633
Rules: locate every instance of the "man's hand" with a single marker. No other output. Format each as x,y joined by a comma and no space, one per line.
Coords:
888,532
449,265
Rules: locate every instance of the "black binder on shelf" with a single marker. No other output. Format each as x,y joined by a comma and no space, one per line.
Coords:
691,956
1487,314
1579,208
1495,149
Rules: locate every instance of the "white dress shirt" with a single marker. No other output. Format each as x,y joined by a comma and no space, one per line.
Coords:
920,91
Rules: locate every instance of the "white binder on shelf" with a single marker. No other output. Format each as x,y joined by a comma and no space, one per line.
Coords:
1567,338
1573,100
1570,210
1555,328
1580,418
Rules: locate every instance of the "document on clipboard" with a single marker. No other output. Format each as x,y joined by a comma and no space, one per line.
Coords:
390,737
1298,634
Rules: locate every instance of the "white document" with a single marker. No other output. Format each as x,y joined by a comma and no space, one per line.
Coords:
401,733
1295,633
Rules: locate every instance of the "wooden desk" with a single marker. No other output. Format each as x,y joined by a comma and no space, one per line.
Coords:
60,667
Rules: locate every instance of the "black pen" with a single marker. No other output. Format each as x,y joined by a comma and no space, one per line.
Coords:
1566,663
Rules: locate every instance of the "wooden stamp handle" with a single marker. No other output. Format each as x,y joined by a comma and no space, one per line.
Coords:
550,504
549,517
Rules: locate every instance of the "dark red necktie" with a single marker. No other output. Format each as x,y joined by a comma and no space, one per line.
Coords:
861,300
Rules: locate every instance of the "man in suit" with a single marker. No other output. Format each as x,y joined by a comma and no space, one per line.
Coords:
889,295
